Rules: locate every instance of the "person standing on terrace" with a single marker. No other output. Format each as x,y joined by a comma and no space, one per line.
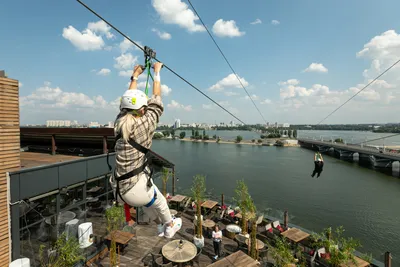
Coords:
134,129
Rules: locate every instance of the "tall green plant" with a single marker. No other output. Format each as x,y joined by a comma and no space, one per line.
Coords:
115,217
244,202
281,252
253,235
198,191
166,173
68,253
340,248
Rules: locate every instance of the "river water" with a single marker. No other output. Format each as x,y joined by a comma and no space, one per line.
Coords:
364,201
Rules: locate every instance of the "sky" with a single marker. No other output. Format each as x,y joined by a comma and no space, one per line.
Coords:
299,60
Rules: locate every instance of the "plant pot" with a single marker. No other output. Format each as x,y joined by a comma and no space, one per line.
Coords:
199,242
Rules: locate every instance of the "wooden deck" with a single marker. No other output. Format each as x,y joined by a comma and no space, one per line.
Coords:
33,159
238,258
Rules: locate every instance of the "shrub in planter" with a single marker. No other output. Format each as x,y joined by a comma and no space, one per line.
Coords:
198,191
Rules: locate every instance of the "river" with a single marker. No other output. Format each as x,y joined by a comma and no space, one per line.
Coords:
364,201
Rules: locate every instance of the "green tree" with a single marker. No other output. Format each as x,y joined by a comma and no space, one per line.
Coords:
115,217
204,132
182,135
196,133
243,201
259,141
198,192
290,133
214,136
239,139
206,137
253,140
253,252
166,133
157,136
173,132
166,174
281,251
193,132
285,132
295,133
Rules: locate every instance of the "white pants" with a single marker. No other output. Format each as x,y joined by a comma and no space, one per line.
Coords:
140,195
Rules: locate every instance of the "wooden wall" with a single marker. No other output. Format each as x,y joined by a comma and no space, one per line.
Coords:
9,155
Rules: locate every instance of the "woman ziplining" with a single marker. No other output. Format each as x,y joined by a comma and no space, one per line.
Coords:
318,164
134,129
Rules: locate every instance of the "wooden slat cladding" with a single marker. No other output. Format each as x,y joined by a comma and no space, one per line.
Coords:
9,155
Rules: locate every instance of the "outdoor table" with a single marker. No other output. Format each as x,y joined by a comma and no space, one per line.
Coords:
295,234
172,252
360,263
209,204
121,238
178,200
260,244
239,258
208,224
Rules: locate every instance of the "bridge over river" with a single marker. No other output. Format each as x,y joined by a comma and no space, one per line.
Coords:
378,157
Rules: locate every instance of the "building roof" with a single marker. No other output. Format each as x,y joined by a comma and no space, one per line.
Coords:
33,159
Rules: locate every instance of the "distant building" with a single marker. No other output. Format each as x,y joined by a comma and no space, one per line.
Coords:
58,123
286,125
177,124
94,124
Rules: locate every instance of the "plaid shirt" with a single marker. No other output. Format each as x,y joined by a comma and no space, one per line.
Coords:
127,157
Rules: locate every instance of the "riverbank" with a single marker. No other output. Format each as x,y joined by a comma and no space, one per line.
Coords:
269,142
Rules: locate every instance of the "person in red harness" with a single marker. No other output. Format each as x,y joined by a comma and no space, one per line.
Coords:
134,129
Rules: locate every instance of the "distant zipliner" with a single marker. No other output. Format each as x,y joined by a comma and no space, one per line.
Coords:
318,164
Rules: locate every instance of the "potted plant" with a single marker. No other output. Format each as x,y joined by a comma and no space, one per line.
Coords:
253,252
339,248
281,252
243,200
115,217
165,176
198,191
66,253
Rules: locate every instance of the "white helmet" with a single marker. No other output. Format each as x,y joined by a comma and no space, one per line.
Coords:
133,99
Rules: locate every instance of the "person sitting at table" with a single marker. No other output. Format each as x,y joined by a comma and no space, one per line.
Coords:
217,239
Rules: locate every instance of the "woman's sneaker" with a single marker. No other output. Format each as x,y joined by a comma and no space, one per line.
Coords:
160,230
170,231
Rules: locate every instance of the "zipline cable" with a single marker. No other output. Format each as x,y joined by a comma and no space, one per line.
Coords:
222,53
394,64
141,48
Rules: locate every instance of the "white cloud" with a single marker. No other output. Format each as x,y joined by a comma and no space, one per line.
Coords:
223,103
85,40
316,67
230,93
125,61
126,45
254,97
162,35
165,90
266,101
101,27
177,12
53,97
104,72
177,106
228,28
89,39
229,81
275,22
257,21
208,106
20,84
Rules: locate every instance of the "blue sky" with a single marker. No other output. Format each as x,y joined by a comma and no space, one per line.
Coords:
57,56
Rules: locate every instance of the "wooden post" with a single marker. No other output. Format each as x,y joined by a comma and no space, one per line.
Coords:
173,181
105,148
222,199
10,157
53,144
388,259
285,219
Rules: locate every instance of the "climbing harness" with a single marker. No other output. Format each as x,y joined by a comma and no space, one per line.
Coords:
134,172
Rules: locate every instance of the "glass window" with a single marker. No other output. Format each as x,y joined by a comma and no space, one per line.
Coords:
71,195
